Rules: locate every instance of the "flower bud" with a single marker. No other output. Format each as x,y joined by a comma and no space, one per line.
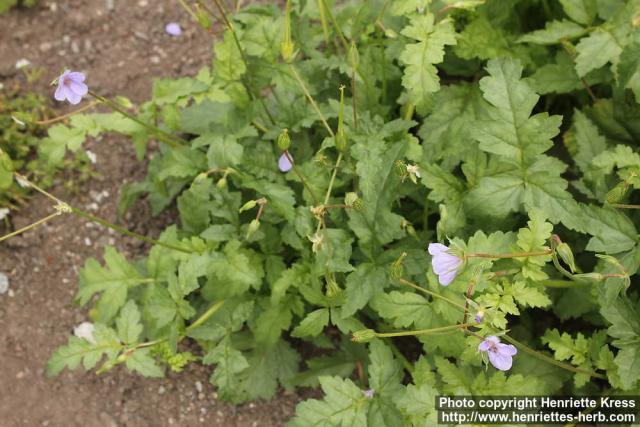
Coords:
365,335
248,206
203,18
284,141
617,193
400,167
350,198
354,56
222,183
591,277
479,316
341,137
287,46
253,227
397,268
333,289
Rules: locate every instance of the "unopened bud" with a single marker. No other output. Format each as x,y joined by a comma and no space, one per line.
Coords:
354,56
284,141
397,268
253,227
248,206
479,316
364,335
222,183
201,177
350,198
287,47
333,289
203,18
591,277
567,255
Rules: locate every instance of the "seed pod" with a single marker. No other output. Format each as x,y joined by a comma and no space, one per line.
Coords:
567,255
358,205
333,289
401,168
365,335
284,141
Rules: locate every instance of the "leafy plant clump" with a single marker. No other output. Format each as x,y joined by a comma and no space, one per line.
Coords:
319,156
5,5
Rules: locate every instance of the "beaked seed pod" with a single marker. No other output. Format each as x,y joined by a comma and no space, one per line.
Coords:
284,141
203,18
567,255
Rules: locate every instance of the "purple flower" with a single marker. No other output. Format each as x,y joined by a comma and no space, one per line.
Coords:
173,29
500,355
71,87
479,316
284,164
368,393
445,265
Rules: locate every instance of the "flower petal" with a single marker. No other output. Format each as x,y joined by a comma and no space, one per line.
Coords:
500,361
78,88
284,164
60,93
73,97
76,76
507,349
444,263
437,248
446,278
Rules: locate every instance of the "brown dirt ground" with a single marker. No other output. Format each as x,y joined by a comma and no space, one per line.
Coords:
122,50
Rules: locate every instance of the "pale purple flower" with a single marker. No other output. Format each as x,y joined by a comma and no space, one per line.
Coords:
444,264
368,394
479,316
71,87
173,29
85,331
284,164
500,355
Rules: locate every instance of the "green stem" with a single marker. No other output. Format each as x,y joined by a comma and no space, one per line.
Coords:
330,188
624,206
557,283
428,292
186,7
421,331
30,226
206,315
513,255
301,177
323,21
162,136
303,86
248,84
126,232
551,360
332,18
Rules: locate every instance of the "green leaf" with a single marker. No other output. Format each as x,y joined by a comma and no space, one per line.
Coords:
385,372
6,170
141,362
420,75
362,284
343,404
228,64
554,32
229,363
313,324
629,68
595,50
79,350
625,328
403,309
113,281
581,11
128,323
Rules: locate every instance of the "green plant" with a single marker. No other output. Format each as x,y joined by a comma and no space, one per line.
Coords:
5,5
509,127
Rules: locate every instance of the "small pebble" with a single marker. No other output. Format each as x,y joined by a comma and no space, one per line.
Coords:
199,386
161,389
4,283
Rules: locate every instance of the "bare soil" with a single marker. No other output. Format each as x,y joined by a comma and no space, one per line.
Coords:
121,46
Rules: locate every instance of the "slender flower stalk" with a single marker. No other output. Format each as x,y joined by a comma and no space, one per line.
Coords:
421,331
31,226
63,207
162,135
428,292
247,84
305,90
65,116
513,255
301,177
